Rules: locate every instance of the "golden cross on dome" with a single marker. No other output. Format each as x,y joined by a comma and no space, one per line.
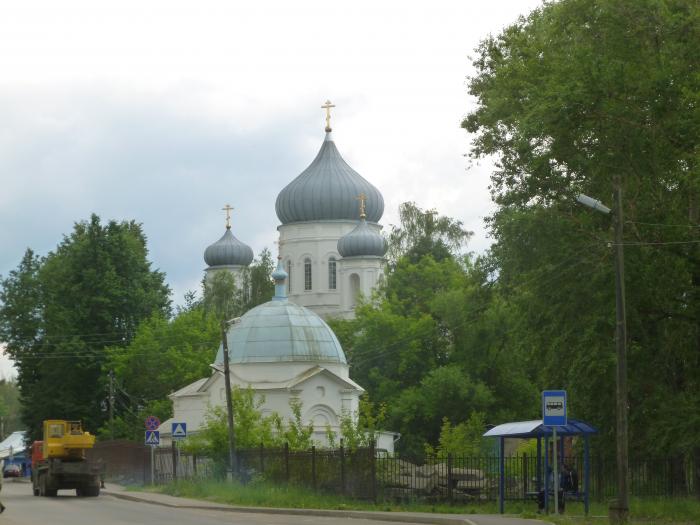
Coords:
362,198
228,208
327,106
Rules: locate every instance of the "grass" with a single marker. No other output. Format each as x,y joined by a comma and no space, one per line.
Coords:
650,511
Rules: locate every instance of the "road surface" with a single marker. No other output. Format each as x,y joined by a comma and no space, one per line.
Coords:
66,509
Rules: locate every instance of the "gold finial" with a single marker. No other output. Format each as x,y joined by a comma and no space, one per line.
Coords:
327,106
362,198
228,208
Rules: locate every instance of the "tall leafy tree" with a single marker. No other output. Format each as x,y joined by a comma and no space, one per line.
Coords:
577,97
59,313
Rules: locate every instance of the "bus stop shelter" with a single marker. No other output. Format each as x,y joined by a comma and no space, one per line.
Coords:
536,430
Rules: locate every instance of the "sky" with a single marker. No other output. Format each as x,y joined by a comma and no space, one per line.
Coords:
164,111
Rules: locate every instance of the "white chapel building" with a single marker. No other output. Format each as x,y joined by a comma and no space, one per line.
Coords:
331,252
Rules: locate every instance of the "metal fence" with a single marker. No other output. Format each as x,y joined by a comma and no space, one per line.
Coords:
372,475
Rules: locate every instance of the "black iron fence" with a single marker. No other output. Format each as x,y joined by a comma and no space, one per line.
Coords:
372,475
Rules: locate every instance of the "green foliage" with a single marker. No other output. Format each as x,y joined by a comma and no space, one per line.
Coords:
359,430
425,233
464,439
9,406
251,428
59,312
576,97
295,433
174,352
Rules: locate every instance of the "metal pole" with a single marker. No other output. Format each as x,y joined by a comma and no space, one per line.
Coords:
501,475
556,472
587,474
229,405
111,404
153,466
620,513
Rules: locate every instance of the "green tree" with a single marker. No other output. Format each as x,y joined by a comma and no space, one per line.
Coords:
576,97
60,312
425,233
165,355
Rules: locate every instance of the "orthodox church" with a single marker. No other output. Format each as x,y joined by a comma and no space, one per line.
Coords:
331,251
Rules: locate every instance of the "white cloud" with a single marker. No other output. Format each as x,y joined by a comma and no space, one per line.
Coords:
163,111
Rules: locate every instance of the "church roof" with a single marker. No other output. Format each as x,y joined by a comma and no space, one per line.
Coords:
228,251
362,242
281,331
327,190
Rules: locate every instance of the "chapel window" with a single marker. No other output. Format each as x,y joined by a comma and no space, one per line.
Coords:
307,274
289,277
331,274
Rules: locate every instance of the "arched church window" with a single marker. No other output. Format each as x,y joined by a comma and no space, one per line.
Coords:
331,274
307,274
289,277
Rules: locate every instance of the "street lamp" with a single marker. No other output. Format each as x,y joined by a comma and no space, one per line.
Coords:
619,510
229,402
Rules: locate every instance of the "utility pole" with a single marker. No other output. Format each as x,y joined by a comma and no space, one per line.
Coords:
111,404
620,514
229,404
619,509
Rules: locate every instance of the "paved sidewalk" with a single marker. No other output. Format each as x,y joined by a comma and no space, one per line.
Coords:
399,517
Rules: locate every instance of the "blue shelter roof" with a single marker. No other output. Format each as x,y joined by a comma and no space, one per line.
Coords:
533,429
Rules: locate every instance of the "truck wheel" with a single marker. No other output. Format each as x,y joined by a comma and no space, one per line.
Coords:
80,492
51,493
92,492
36,490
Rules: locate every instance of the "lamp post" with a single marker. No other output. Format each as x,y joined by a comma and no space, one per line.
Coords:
229,402
619,509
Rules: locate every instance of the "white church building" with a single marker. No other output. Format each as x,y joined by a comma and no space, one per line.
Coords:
331,251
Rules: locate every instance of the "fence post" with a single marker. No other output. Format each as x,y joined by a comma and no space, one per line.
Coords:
449,476
286,460
342,467
194,464
313,466
373,459
525,477
262,458
174,450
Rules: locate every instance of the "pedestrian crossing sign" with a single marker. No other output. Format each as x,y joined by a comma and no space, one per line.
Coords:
152,438
179,430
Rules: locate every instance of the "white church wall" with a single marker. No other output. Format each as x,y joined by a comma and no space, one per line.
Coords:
318,241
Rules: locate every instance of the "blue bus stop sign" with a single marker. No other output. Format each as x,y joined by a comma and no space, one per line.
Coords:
554,408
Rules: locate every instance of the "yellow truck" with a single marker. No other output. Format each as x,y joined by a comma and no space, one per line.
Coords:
59,462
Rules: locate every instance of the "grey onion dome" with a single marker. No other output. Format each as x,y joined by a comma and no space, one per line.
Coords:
228,251
327,190
362,241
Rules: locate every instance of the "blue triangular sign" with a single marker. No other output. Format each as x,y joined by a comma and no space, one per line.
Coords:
179,430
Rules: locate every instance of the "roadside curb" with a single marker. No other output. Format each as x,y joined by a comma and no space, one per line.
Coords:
352,514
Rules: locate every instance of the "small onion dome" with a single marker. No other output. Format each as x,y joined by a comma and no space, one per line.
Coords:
326,191
228,251
362,241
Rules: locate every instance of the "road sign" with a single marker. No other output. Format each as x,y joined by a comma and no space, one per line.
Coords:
152,423
179,430
152,438
554,408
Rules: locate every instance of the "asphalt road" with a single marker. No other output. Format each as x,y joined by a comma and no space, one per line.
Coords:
66,509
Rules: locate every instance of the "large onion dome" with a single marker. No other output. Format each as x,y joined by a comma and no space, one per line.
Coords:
280,331
362,241
228,251
326,190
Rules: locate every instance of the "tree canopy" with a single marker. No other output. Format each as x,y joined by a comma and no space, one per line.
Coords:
570,99
59,312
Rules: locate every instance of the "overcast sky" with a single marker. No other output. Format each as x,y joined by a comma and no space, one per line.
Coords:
164,111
